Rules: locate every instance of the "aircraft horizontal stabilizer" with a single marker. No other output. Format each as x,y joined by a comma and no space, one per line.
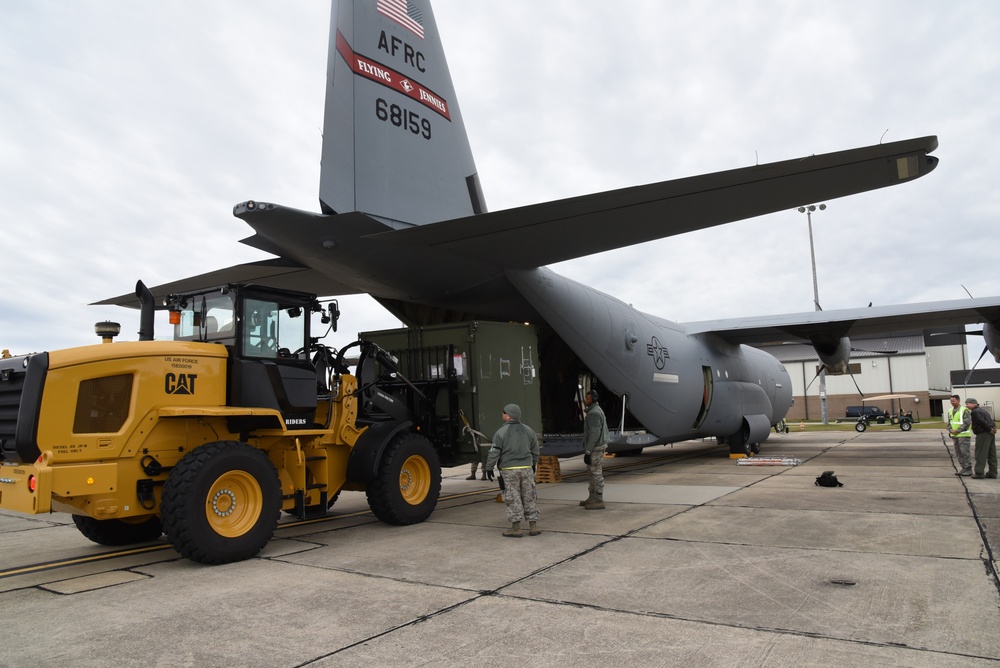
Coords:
855,322
277,273
541,234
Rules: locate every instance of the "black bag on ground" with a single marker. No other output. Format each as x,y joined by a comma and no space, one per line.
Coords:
828,480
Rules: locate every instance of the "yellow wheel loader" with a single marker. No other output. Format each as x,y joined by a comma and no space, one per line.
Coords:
208,437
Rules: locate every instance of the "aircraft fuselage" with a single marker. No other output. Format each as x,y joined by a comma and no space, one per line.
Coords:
679,386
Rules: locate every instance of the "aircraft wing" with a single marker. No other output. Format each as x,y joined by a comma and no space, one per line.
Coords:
453,256
278,273
855,322
541,234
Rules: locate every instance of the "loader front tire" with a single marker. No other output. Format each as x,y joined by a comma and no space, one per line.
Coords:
408,483
221,503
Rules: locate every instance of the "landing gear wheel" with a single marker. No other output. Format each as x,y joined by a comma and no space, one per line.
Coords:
408,483
221,503
860,427
906,425
117,532
739,443
755,448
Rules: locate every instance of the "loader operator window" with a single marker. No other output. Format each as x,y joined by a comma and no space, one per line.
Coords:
272,330
219,322
218,312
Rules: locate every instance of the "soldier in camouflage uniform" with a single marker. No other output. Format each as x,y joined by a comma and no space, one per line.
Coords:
960,429
595,444
515,452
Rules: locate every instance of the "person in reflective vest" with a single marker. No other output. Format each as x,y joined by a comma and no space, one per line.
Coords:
960,429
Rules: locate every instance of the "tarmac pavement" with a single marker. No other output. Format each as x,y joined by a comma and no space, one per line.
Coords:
696,561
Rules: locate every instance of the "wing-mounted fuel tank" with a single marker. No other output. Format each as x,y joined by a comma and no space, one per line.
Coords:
679,386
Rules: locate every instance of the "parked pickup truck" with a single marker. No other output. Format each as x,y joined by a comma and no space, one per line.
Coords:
873,412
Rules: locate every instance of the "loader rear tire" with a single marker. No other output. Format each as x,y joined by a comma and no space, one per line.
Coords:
119,532
408,483
221,503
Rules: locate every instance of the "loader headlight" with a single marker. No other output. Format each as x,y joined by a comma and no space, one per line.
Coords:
32,483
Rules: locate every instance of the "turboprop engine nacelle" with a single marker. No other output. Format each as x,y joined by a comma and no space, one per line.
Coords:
836,355
991,335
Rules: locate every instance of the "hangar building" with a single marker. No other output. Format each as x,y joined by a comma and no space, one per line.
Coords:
922,364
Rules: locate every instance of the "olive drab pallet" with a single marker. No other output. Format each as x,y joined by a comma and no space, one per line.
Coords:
209,437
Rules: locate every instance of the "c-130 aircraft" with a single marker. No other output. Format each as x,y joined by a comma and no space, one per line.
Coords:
403,219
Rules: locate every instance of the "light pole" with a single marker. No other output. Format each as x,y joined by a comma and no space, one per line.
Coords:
808,210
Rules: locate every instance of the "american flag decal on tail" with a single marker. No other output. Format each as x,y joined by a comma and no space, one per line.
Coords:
405,14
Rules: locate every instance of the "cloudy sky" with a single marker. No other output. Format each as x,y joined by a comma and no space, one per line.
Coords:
128,130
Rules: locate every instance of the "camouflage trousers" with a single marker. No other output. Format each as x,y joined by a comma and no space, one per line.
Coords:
519,494
963,451
596,469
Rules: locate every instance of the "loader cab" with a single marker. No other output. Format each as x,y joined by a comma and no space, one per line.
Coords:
266,332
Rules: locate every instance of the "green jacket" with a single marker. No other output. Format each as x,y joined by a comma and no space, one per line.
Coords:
595,428
515,445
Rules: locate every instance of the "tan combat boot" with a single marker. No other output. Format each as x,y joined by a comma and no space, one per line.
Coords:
514,531
596,504
533,529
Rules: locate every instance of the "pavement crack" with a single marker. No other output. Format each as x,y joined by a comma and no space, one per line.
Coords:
413,622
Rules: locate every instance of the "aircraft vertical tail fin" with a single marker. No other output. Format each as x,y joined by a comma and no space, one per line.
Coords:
394,143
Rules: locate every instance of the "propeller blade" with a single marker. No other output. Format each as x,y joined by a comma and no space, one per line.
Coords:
856,385
859,346
822,368
967,377
970,332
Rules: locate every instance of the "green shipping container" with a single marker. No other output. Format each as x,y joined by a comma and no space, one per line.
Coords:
486,365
